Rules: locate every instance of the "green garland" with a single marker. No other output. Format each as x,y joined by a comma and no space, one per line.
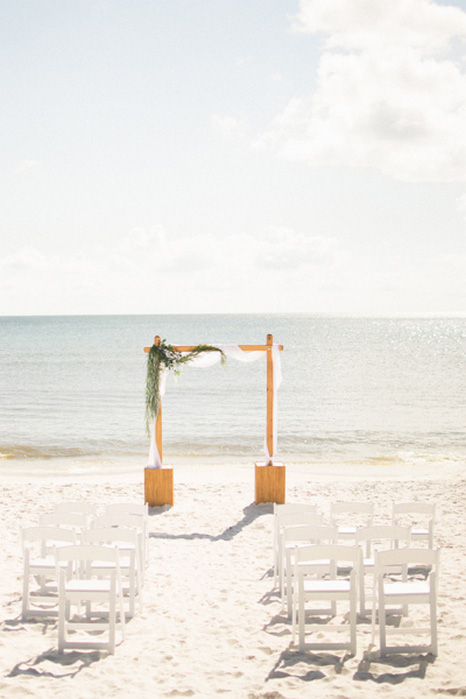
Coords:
163,356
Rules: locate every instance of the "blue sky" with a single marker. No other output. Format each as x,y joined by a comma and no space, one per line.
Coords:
166,156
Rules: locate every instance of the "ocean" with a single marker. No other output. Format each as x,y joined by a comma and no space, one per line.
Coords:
355,391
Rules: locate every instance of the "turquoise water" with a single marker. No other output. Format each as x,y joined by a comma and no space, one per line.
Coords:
355,390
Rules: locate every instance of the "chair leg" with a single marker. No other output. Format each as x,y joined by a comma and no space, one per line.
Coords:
25,603
62,613
122,608
301,612
132,595
112,622
288,592
382,620
353,619
433,614
374,614
362,592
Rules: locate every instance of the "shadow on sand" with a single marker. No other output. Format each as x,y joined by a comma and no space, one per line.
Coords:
55,665
251,513
305,666
374,668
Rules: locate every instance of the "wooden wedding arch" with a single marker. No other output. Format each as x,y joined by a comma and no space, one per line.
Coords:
269,481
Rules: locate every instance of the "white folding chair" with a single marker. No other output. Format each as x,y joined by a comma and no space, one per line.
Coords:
289,508
79,583
129,521
348,516
282,521
38,545
301,536
418,586
133,508
332,589
376,538
420,516
127,543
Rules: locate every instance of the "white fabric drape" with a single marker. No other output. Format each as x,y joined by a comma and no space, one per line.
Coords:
207,359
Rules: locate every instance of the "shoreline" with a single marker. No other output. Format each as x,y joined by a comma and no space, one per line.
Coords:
23,471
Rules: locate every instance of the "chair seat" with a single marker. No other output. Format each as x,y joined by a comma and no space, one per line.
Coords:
87,585
314,564
42,565
398,589
347,531
124,563
326,586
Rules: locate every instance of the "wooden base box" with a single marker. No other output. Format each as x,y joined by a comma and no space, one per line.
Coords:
158,486
270,483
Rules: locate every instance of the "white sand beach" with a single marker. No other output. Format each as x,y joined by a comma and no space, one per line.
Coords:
211,623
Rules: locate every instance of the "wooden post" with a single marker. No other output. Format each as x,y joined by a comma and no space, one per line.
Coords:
270,478
158,422
269,431
158,482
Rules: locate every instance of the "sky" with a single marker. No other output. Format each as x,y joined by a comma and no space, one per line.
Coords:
232,156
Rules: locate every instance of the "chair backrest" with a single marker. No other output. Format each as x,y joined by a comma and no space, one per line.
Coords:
413,512
86,508
106,535
74,520
118,519
80,557
46,538
383,536
313,534
334,553
414,507
385,560
419,515
297,518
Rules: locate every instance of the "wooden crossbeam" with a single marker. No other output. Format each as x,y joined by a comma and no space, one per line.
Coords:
190,348
270,388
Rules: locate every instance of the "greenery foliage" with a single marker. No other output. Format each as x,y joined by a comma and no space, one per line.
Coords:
164,356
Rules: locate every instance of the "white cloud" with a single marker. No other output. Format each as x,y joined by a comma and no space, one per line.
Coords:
286,249
149,269
387,96
228,126
360,24
27,259
276,269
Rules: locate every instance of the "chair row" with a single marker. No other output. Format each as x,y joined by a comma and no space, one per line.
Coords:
83,515
348,517
82,557
402,577
369,540
298,529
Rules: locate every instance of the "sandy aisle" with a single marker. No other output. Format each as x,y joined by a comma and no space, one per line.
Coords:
211,624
